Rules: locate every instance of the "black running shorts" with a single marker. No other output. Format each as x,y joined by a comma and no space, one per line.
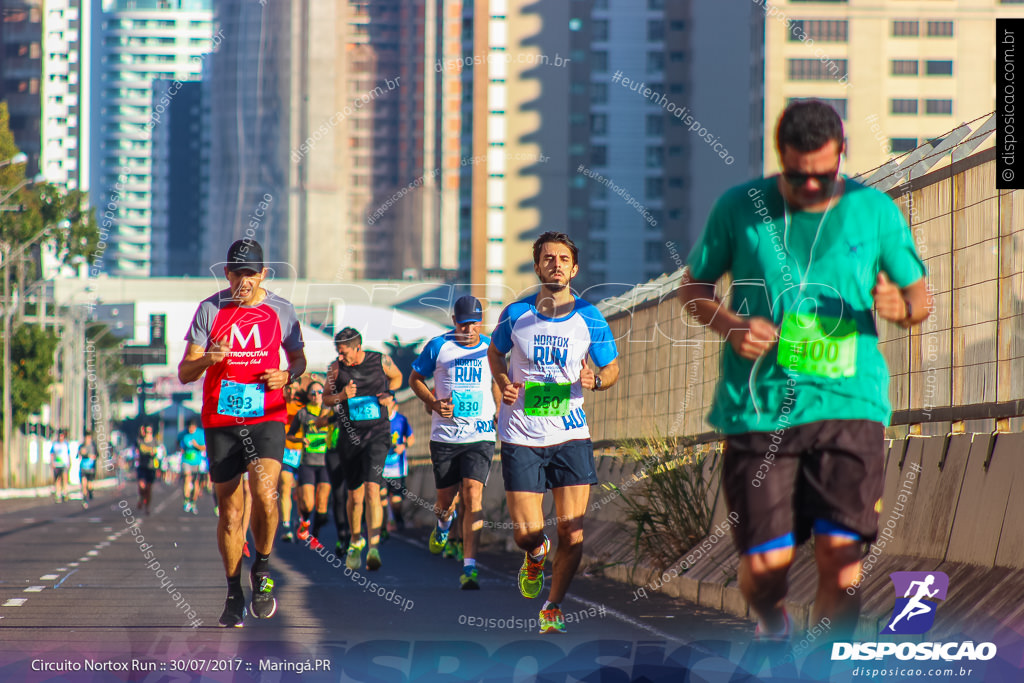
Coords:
311,475
526,468
232,449
357,465
781,482
454,462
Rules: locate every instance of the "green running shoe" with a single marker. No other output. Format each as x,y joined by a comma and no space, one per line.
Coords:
373,559
551,620
469,579
354,556
531,574
438,540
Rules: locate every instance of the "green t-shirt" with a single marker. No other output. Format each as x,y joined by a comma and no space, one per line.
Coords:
773,275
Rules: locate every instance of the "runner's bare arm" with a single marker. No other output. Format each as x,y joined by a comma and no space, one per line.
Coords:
277,379
499,371
609,375
906,307
332,396
418,384
392,371
750,337
196,359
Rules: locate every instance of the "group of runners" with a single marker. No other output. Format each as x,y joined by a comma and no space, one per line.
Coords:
803,386
60,457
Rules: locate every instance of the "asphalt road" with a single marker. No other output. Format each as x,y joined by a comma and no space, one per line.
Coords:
80,601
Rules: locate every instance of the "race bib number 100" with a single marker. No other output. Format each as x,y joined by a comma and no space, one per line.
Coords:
546,399
240,400
823,346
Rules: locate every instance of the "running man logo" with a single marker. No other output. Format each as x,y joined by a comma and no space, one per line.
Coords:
917,596
243,340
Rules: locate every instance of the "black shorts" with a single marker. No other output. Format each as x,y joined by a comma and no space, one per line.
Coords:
87,475
146,474
454,462
537,469
232,449
357,465
823,474
312,475
396,486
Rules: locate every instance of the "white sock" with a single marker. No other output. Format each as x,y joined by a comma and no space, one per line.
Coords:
469,562
444,525
547,605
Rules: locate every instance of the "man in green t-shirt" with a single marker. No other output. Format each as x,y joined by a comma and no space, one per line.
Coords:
803,391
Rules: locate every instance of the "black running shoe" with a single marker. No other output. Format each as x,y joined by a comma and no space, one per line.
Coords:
234,611
263,604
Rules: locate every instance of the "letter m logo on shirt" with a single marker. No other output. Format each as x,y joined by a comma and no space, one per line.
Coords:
243,340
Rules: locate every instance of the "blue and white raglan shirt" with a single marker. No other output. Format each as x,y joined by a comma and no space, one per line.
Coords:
547,358
462,374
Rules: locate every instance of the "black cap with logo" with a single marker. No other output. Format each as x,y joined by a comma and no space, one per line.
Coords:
245,254
468,310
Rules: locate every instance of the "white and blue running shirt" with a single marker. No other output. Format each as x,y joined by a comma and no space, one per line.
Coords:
462,374
545,352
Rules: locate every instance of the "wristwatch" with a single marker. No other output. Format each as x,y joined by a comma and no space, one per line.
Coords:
597,382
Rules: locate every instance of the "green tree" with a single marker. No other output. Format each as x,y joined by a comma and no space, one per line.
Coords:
35,213
32,350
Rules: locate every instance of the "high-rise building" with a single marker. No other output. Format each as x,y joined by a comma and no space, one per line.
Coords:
21,73
136,43
587,111
899,73
66,55
179,179
332,109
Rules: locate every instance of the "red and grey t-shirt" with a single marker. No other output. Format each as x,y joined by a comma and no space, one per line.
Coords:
233,394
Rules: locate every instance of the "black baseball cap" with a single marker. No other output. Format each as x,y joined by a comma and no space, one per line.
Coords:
245,254
468,310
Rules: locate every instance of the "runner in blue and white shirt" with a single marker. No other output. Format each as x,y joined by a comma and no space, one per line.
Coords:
545,440
463,406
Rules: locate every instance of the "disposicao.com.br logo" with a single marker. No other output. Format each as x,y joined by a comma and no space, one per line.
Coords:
917,596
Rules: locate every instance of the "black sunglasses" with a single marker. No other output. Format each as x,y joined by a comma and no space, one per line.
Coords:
317,392
800,179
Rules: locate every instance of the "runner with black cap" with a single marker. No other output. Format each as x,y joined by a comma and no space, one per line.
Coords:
235,339
355,384
545,439
463,409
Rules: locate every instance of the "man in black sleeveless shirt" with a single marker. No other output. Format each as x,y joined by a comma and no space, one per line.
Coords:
355,383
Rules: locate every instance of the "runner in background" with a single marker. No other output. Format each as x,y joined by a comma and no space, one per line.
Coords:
295,399
396,466
314,486
463,405
87,457
192,444
60,454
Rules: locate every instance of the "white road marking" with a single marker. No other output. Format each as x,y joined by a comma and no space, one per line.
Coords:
15,602
35,589
48,577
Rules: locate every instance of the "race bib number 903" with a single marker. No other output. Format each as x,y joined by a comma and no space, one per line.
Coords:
240,400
